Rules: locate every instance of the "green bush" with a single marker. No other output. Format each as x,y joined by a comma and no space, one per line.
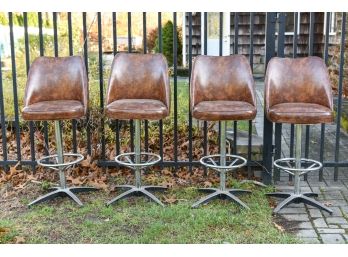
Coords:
167,43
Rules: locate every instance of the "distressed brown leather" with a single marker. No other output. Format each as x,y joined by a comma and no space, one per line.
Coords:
298,91
222,88
147,109
300,113
56,89
138,87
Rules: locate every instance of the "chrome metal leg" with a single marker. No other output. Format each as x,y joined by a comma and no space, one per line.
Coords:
82,189
297,196
206,199
310,194
315,203
279,194
137,153
138,189
62,189
222,191
155,188
151,196
121,196
237,200
298,153
222,155
46,197
73,197
59,148
284,203
238,191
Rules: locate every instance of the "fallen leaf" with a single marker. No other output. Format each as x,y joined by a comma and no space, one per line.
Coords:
279,227
19,240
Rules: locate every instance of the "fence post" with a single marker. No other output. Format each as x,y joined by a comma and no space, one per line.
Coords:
271,18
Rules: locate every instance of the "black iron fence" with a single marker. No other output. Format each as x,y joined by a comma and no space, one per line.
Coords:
63,42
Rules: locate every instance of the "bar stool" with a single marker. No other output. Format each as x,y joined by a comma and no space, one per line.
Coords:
298,91
222,89
138,90
57,89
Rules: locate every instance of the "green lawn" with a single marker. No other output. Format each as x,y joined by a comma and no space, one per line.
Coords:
137,220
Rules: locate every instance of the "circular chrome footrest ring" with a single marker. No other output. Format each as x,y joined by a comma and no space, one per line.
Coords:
55,166
146,159
288,165
232,161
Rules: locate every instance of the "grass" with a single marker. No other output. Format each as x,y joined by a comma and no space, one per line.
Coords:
136,220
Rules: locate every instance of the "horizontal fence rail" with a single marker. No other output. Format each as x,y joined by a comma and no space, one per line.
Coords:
180,140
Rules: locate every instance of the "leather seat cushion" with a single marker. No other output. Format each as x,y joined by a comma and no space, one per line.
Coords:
54,110
142,109
224,110
300,113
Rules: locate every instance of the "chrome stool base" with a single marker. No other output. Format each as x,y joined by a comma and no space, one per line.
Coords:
222,163
228,194
138,191
297,167
136,161
56,163
59,191
298,198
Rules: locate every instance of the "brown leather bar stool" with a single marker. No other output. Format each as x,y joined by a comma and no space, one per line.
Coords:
298,91
138,90
222,89
57,89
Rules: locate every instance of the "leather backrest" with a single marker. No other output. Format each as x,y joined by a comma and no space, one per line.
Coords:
139,76
300,80
226,78
57,78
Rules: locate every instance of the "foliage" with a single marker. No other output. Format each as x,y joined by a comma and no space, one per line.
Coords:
18,19
167,43
151,39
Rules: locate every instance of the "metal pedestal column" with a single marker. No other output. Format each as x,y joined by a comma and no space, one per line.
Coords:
61,166
297,196
152,159
222,168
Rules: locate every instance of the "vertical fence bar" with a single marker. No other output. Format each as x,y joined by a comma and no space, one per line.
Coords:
251,42
175,64
221,20
294,55
278,126
160,48
114,51
55,34
251,61
205,123
27,65
146,125
267,125
310,52
71,53
322,129
190,69
101,83
3,122
14,84
129,23
235,51
42,52
85,55
340,94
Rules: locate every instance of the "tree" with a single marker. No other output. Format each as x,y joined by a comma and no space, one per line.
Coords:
151,39
167,43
